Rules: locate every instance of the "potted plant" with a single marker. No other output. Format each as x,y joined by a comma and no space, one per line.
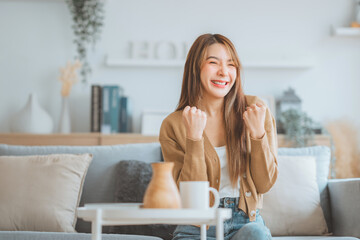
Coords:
88,17
299,128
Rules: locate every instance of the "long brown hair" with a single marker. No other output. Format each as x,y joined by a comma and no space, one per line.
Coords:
234,101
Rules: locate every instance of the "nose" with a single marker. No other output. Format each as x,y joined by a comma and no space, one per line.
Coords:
223,70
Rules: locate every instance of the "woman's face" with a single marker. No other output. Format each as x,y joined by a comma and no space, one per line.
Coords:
218,72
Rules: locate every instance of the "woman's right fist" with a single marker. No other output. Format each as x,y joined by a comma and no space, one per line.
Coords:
195,122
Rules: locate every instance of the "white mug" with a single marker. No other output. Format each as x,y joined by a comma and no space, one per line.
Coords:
195,195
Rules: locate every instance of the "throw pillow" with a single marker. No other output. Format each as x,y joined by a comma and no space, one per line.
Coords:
323,156
133,177
292,206
41,193
99,186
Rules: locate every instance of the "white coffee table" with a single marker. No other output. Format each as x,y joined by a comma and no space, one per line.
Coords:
133,214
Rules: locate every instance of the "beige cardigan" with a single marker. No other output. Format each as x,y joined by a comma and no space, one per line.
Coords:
198,160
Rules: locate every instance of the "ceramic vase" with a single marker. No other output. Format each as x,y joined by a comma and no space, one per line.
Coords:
32,118
64,122
162,191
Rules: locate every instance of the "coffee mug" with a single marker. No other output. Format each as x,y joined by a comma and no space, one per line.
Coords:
195,195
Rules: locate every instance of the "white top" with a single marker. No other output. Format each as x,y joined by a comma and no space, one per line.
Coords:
226,189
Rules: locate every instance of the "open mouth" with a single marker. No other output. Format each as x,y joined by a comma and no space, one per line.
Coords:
219,83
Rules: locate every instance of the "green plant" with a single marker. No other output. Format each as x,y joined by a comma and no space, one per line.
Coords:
298,127
88,16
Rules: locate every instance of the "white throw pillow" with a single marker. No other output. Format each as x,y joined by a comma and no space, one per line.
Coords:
41,193
292,206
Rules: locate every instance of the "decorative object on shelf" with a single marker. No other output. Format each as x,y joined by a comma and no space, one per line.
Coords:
65,122
158,50
32,118
298,127
289,100
162,191
88,17
68,77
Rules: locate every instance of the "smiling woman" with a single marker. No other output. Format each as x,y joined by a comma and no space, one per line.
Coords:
218,72
214,133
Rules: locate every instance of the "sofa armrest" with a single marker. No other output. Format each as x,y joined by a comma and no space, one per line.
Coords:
345,206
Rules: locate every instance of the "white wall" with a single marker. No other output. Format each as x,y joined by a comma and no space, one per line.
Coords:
36,40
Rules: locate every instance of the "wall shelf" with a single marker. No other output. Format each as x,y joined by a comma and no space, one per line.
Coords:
347,32
279,64
98,139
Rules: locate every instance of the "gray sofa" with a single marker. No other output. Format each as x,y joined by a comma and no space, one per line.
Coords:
340,199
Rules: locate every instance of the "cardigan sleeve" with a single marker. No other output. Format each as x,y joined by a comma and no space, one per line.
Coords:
263,163
187,155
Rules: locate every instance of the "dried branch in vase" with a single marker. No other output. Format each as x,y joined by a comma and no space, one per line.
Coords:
68,77
347,151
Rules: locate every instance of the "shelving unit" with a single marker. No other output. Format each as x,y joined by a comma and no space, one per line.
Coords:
347,32
96,139
276,64
279,64
74,139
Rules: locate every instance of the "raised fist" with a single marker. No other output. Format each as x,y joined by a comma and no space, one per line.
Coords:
254,118
195,122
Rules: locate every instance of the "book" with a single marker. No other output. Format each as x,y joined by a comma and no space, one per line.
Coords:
95,119
114,109
125,119
110,109
105,107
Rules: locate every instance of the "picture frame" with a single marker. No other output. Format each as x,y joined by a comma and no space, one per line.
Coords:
151,121
270,103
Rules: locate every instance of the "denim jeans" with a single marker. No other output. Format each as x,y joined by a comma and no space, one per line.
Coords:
238,227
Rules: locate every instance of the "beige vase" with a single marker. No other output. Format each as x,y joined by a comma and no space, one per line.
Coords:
162,191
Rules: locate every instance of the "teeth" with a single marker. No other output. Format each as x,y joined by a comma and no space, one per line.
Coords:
219,83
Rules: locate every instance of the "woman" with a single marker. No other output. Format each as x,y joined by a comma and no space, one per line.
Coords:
218,134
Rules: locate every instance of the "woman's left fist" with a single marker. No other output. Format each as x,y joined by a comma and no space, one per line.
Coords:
254,118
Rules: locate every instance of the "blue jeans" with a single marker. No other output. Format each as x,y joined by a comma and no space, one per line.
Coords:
238,227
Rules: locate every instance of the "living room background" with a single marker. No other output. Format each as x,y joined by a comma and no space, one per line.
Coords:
37,39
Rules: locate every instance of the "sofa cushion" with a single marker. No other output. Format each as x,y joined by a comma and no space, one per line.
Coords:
292,206
132,179
41,193
99,184
323,156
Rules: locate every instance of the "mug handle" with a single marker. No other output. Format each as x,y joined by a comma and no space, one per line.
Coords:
216,196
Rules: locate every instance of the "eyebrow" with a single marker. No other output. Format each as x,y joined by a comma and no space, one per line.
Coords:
229,60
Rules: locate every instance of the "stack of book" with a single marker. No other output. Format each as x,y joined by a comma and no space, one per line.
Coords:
110,110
